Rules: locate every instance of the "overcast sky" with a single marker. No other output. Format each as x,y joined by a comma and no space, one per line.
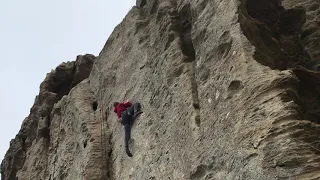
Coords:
35,37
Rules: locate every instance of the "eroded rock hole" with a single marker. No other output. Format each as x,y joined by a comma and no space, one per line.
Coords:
197,120
95,106
200,172
23,144
62,88
196,105
185,34
235,86
85,143
225,45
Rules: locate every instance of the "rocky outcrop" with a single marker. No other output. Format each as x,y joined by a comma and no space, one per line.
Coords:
229,90
36,127
68,154
280,44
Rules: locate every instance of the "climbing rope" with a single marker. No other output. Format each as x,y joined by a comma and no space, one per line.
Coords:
124,76
101,123
103,136
124,61
102,127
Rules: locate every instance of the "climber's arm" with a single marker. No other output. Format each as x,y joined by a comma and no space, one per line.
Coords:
127,104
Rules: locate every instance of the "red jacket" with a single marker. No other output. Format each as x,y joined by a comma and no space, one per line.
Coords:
121,107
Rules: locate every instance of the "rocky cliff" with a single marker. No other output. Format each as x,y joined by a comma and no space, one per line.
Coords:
229,88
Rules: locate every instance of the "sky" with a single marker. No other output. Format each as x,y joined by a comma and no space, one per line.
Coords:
38,35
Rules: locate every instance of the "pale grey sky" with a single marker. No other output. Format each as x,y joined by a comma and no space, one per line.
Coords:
35,37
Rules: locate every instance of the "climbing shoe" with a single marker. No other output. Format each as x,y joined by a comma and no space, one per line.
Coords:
136,114
128,152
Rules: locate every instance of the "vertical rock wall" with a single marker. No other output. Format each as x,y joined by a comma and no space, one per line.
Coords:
229,90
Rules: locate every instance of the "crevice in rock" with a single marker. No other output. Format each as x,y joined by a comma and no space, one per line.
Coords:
309,93
185,35
85,143
109,162
23,144
276,34
43,130
183,26
95,106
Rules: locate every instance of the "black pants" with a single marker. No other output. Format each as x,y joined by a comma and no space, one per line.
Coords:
127,120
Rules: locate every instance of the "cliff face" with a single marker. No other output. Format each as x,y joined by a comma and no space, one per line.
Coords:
229,90
29,154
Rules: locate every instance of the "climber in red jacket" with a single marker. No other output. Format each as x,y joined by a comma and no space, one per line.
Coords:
127,113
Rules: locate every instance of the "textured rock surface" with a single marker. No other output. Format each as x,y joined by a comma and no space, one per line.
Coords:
230,90
68,154
34,137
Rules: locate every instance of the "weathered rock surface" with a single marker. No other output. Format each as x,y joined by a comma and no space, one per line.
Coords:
230,90
34,137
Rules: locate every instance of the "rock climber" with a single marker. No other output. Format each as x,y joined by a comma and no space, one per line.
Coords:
127,113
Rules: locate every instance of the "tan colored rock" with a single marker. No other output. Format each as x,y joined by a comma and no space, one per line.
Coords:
229,91
43,127
74,149
34,136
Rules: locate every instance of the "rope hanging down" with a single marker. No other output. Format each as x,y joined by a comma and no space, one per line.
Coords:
101,126
101,123
100,119
124,75
124,61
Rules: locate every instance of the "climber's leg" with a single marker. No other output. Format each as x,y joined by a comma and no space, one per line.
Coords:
126,120
127,134
136,110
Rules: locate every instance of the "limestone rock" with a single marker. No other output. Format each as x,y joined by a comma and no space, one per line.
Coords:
83,66
230,90
35,129
141,3
43,127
